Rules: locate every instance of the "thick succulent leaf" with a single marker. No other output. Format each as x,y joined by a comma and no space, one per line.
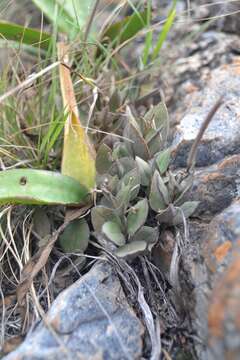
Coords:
154,143
107,182
126,28
75,237
158,116
25,35
137,216
113,232
123,197
78,159
158,197
173,186
144,170
137,146
131,249
187,210
103,159
130,185
125,165
42,225
167,215
119,150
147,234
27,186
174,216
115,100
100,215
163,160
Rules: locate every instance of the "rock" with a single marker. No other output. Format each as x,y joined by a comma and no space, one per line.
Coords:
222,256
90,320
215,187
229,10
224,315
211,283
222,138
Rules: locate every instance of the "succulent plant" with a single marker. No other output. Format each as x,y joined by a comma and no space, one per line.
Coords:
138,191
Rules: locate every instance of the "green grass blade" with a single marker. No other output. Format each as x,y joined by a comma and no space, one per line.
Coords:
149,36
25,35
127,28
163,35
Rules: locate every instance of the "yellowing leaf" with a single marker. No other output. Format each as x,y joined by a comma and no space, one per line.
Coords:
78,159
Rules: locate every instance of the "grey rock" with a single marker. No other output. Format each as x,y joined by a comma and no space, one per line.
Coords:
90,320
222,138
215,187
211,283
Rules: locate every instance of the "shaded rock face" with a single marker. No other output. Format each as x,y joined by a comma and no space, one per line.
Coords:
216,186
222,138
211,283
89,320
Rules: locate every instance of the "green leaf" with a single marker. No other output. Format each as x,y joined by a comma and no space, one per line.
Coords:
137,216
115,101
128,187
174,216
68,16
137,146
144,170
163,160
154,143
125,29
131,249
125,165
100,215
147,234
163,35
167,215
24,35
29,187
75,237
41,222
119,150
186,210
158,116
158,197
103,159
113,232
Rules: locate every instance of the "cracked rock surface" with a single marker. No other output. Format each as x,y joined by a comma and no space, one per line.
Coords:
89,320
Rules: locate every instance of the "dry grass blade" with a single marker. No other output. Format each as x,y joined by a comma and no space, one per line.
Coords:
38,261
78,159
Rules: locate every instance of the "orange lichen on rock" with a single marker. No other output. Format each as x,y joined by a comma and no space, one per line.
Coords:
224,302
222,250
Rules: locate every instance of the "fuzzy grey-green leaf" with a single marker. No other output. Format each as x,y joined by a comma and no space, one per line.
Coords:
103,159
113,232
158,197
163,160
100,215
137,146
186,210
137,216
131,249
144,170
75,237
146,233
